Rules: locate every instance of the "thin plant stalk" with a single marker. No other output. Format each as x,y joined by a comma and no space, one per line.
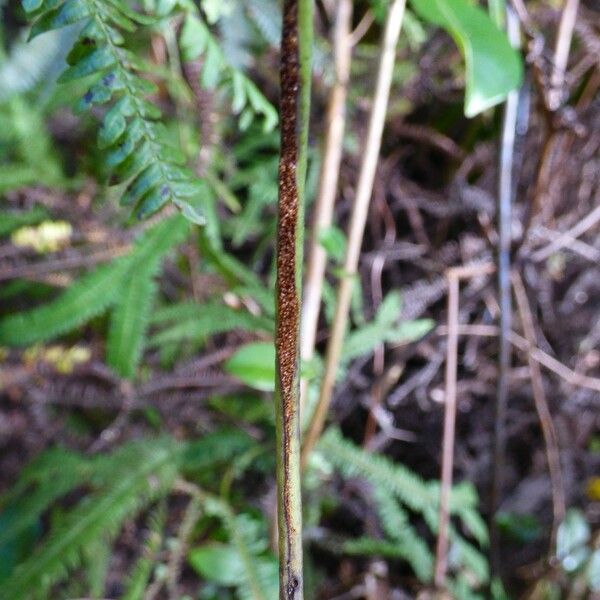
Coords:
561,53
328,183
505,199
454,276
449,428
295,72
543,411
357,222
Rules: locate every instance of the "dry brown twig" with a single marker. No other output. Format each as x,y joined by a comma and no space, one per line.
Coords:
542,408
454,275
357,223
328,183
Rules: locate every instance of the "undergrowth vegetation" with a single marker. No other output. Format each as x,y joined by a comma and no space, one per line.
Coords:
138,188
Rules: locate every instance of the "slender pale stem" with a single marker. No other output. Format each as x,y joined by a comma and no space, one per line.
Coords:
296,43
505,199
357,222
328,181
441,560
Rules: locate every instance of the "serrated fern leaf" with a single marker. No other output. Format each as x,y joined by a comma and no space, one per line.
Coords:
85,299
395,523
130,318
97,291
49,477
102,513
352,461
195,322
136,146
247,100
137,582
128,324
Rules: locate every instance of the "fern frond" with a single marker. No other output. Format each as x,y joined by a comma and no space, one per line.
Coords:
398,480
132,485
136,146
247,100
97,291
52,475
259,580
131,316
137,582
89,297
188,321
129,321
410,546
420,496
384,328
392,481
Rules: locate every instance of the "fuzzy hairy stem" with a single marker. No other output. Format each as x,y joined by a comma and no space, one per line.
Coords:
296,43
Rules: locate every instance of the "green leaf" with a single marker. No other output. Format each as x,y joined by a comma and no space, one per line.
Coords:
141,472
71,11
87,298
493,67
254,364
95,62
129,322
220,563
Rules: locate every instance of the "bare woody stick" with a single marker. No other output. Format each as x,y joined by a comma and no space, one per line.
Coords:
454,276
357,222
328,181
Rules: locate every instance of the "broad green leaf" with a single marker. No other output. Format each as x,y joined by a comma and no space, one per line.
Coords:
493,67
220,563
254,364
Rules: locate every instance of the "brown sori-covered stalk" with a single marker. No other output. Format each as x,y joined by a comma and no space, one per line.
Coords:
296,43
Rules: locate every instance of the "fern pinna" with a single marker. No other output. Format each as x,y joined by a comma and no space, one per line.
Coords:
136,146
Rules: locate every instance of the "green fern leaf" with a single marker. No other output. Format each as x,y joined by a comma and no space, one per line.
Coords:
248,101
85,299
195,322
138,581
49,477
153,168
130,318
128,324
409,545
396,478
132,486
258,570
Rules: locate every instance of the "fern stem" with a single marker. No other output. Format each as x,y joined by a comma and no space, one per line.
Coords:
357,223
296,43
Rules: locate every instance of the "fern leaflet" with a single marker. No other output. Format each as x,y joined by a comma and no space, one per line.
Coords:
132,485
84,300
137,149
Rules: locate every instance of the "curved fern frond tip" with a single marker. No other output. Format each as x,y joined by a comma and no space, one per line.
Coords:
136,148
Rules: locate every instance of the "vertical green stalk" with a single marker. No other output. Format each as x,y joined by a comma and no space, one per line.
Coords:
296,44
